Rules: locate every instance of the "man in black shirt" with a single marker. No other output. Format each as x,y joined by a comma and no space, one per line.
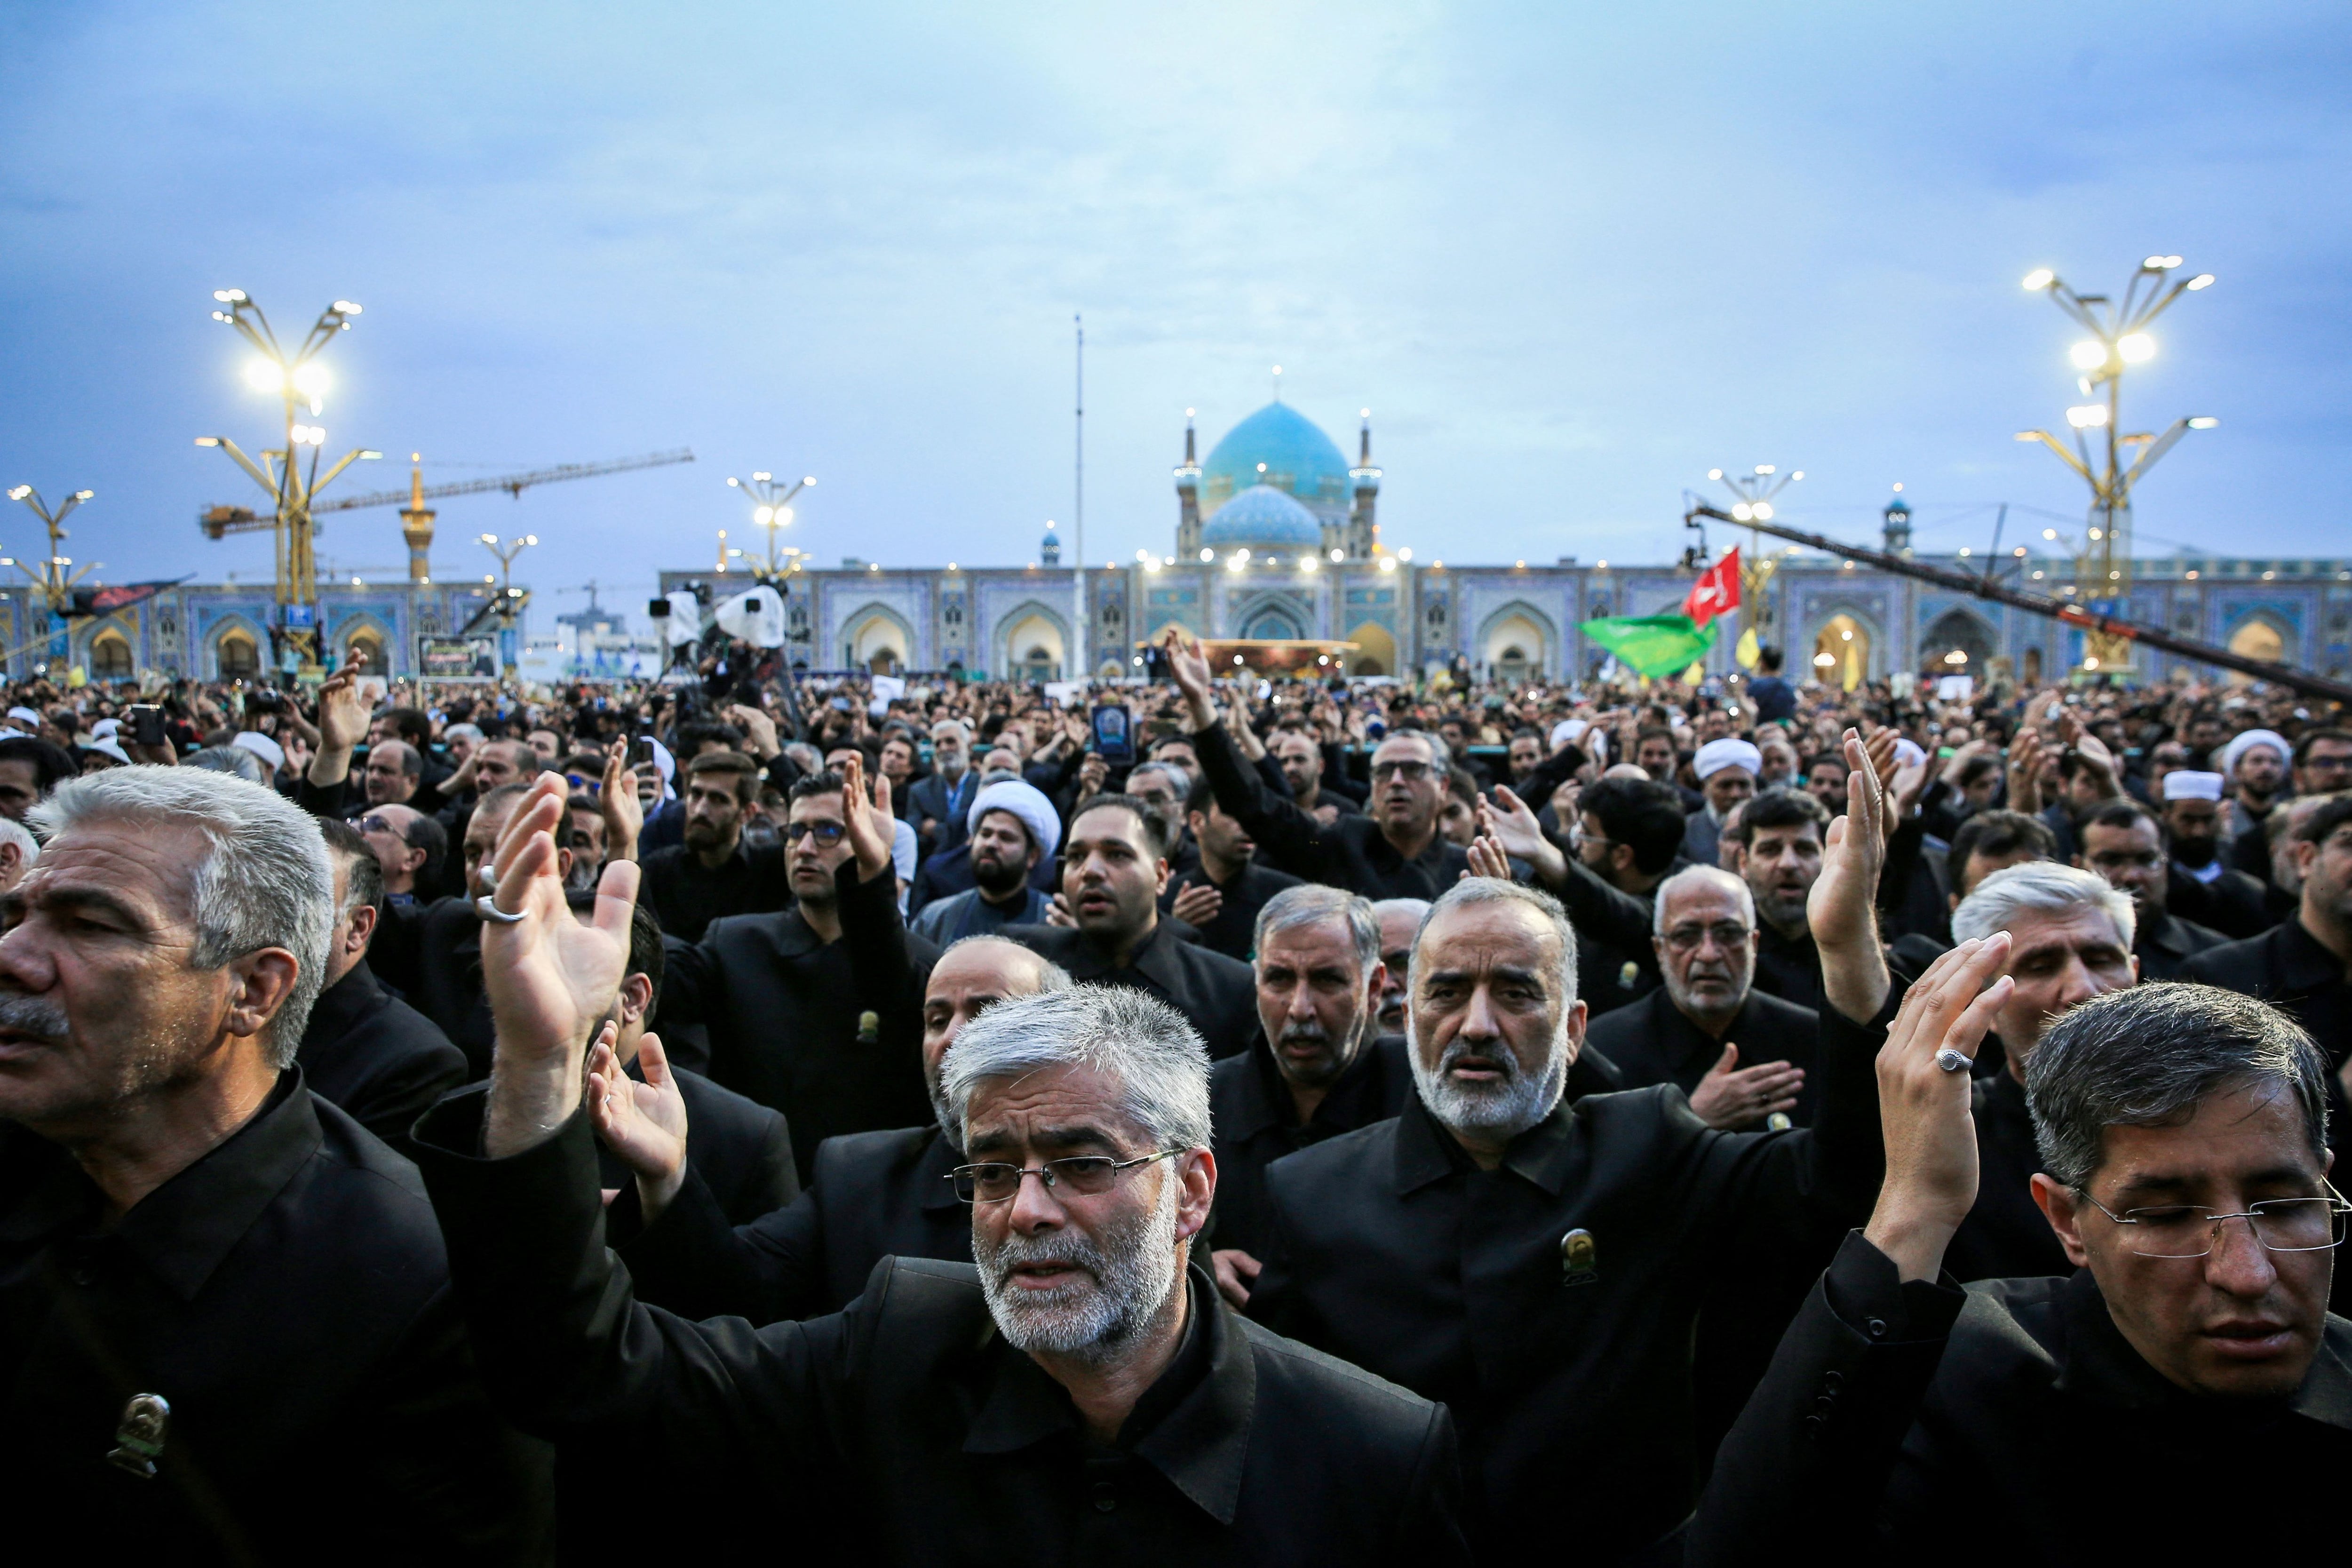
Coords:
714,873
1393,852
225,1328
1230,887
1077,1396
2124,842
1114,868
1316,1067
380,1059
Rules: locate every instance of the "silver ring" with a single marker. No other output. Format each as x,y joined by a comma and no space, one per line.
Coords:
1948,1058
486,907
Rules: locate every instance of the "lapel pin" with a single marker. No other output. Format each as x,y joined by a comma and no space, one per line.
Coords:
1580,1257
138,1436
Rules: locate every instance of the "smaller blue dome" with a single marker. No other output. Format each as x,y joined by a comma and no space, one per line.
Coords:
1052,538
1898,505
1263,515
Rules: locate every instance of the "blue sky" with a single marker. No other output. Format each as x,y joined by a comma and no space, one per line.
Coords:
1571,257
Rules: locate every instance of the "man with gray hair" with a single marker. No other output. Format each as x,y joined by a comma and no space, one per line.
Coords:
1316,1067
1742,1055
18,851
215,1282
2069,938
1083,1394
1540,1265
2183,1171
940,800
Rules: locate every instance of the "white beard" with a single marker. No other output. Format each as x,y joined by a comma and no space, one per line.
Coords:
1502,1109
1093,1318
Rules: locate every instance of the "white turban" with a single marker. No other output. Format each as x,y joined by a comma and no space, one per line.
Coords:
1565,732
2246,742
2182,783
1908,754
261,746
1717,755
1024,801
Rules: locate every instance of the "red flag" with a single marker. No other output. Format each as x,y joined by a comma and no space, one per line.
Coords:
1717,591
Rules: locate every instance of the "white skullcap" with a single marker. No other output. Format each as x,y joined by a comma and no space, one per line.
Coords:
1717,755
2247,742
27,716
2182,783
1024,801
1908,754
1565,732
108,745
261,746
104,729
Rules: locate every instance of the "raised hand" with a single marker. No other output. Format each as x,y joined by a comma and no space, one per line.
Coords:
1487,858
642,1123
1924,1108
1188,667
1731,1096
1512,824
865,811
758,730
2025,771
342,713
550,977
624,813
1838,911
1236,1272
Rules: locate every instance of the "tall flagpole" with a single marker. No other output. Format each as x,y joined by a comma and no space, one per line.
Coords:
1079,625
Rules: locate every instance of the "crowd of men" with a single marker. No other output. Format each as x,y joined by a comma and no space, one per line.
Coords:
1286,1122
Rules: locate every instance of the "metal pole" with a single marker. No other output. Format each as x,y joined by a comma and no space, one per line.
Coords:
2057,609
1078,623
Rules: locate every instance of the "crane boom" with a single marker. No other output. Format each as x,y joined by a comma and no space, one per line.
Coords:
224,520
2057,609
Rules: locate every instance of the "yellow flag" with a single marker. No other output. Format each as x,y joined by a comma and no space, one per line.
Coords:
1748,650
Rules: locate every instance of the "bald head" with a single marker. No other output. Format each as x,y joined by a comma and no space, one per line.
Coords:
972,976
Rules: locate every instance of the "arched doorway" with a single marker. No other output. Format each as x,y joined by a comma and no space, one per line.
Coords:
1513,643
2258,639
1957,644
1272,625
1842,653
366,650
877,643
239,656
1032,644
1375,650
109,657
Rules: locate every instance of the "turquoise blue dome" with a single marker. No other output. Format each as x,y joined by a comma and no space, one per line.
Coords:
1299,460
1898,507
1261,517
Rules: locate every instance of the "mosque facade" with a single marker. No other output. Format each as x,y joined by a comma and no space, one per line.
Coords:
1277,540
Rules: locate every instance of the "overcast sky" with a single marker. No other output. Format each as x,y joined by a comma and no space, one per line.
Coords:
1571,257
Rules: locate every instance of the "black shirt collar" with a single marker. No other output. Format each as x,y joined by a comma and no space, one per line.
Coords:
1358,1099
2305,964
342,1004
1426,1153
1192,1425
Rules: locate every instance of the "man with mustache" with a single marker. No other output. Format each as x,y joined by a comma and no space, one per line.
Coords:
1078,1394
1316,1067
1741,1056
1539,1266
2183,1169
714,873
1012,829
1780,837
1400,919
874,1194
1113,869
230,1332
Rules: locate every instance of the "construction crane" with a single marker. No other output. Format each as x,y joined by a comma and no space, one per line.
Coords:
220,521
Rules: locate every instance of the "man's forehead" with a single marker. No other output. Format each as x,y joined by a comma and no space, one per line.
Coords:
1106,822
1480,934
122,859
1312,942
825,806
1787,837
2076,925
1402,745
1704,899
2109,836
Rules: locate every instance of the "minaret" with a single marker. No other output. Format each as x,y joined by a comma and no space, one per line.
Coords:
1188,497
1897,527
1363,531
416,523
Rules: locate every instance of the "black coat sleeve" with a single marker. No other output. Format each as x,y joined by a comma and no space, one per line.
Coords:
1606,914
691,1261
568,1351
889,964
1802,1475
1290,839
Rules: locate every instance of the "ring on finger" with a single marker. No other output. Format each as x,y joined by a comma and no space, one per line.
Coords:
1951,1060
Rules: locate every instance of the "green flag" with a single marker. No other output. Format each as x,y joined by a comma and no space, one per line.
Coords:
1653,645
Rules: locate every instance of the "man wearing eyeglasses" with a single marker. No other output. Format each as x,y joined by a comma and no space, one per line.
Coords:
1080,1393
1393,851
1742,1057
2182,1395
822,1028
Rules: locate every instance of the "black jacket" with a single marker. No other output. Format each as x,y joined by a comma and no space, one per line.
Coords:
1569,1370
904,1430
1352,853
686,896
2005,1236
2287,967
1652,1042
1219,995
828,1033
433,953
1234,930
2014,1423
288,1296
2234,903
2164,943
1789,967
875,1196
382,1062
738,1153
1256,1123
